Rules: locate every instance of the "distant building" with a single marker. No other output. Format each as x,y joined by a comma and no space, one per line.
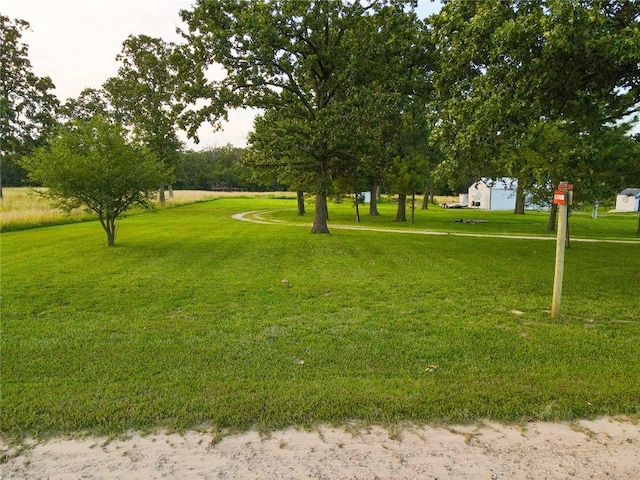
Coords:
500,194
488,194
628,200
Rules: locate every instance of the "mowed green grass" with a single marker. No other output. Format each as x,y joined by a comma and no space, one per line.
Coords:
607,225
196,319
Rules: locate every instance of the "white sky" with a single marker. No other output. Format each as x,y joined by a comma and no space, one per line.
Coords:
75,42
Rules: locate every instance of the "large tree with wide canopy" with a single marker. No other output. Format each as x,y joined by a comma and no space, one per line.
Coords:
316,62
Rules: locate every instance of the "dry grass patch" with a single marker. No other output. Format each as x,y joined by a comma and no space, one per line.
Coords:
191,196
22,207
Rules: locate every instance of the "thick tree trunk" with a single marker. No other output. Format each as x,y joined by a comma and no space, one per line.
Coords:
425,199
373,204
520,200
401,214
553,215
300,198
321,215
171,191
357,203
161,196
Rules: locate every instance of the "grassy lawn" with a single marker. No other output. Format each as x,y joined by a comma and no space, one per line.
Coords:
497,222
195,319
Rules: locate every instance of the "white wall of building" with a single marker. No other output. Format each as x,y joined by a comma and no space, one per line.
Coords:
628,203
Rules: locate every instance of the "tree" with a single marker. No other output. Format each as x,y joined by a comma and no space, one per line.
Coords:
302,58
90,163
89,103
510,66
27,107
278,151
219,167
144,97
413,157
409,177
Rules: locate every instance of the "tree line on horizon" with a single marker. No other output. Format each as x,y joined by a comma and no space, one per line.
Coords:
353,96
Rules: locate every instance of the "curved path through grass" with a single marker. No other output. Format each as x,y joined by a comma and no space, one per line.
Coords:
259,217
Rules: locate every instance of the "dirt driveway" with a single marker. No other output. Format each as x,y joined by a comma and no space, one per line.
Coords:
603,448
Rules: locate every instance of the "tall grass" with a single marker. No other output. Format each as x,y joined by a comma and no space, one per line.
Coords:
22,207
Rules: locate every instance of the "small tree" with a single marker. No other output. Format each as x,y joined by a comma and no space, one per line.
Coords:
90,163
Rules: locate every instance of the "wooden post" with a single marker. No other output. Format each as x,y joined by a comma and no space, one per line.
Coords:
560,249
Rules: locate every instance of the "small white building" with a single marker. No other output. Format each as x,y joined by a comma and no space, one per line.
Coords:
488,194
628,200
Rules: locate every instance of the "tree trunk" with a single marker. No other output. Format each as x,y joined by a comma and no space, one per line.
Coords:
109,226
401,215
111,238
520,200
357,203
413,208
300,197
161,196
425,199
171,191
553,215
373,204
321,214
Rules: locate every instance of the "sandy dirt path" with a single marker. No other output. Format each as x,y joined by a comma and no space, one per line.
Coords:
604,448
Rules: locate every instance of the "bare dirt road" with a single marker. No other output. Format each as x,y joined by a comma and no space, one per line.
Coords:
605,448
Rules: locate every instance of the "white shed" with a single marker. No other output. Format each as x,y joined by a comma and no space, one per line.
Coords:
488,194
628,200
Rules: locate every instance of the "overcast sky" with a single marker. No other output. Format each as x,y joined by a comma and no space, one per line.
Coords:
75,42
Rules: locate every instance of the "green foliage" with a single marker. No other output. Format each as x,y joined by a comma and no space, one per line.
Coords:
27,107
90,163
280,152
90,102
144,97
509,67
219,167
314,67
101,341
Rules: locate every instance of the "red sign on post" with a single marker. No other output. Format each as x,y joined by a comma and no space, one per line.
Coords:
565,186
559,197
